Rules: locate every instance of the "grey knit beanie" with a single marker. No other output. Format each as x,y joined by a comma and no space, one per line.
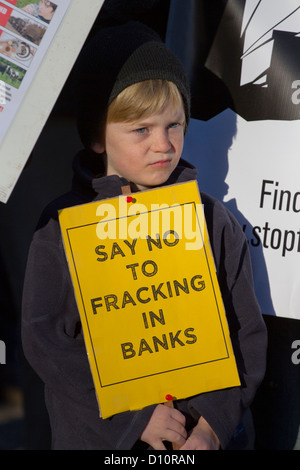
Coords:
114,59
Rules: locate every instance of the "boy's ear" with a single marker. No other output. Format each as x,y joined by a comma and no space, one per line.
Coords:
98,147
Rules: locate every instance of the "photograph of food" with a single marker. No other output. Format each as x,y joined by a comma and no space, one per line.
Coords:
16,49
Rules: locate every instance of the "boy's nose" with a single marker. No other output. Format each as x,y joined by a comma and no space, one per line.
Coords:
160,141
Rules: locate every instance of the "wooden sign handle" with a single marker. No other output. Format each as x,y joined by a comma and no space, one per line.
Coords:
170,405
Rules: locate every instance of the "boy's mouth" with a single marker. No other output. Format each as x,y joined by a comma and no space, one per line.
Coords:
161,163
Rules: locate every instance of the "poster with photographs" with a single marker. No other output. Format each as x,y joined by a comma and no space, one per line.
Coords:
39,43
26,31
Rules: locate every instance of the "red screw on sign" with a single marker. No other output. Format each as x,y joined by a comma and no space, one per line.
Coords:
169,397
130,199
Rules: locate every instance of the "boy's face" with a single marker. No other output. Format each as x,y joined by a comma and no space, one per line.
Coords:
146,151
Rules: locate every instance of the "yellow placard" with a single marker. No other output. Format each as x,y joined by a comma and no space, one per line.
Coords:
148,296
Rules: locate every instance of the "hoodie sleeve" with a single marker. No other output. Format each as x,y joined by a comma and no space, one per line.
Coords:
54,346
224,409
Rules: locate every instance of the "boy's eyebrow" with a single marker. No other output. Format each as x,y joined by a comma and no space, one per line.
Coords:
178,116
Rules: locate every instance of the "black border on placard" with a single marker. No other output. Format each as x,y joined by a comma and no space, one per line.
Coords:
68,230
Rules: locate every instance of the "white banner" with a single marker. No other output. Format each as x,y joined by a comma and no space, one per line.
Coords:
255,173
245,139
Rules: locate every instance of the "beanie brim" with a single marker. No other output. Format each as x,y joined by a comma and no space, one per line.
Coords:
114,59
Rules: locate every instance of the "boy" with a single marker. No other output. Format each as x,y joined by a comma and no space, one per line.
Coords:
133,110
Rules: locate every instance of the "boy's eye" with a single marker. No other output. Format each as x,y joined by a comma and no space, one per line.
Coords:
175,125
142,130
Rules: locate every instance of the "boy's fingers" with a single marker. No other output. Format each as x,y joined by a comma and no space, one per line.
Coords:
172,437
178,416
178,428
159,445
175,431
175,438
165,423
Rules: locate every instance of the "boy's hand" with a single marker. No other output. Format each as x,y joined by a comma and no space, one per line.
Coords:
202,438
165,424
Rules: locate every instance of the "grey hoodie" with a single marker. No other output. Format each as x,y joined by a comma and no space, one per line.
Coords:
54,345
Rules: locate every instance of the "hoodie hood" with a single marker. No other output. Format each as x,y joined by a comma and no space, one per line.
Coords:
90,180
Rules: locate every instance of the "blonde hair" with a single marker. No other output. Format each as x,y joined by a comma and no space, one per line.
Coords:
143,99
